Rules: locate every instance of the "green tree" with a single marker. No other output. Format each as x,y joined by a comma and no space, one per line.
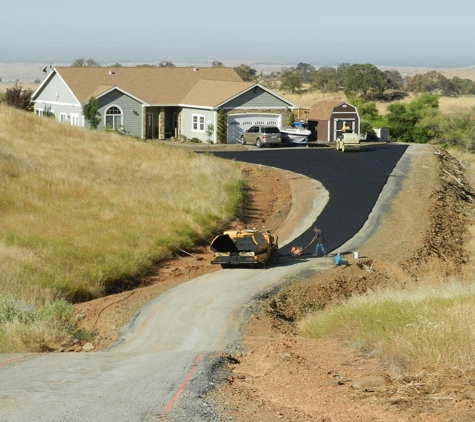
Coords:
85,63
410,123
462,86
165,64
431,82
363,78
291,119
222,127
216,64
341,70
246,72
290,81
325,79
458,130
89,112
394,79
305,71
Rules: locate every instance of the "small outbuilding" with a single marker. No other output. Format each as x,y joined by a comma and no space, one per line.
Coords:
327,118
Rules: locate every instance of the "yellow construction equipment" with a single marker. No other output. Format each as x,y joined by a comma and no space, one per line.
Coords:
244,247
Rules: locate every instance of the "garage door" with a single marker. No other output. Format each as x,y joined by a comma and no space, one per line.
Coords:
238,123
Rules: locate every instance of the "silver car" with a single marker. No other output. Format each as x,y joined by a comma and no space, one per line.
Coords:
261,135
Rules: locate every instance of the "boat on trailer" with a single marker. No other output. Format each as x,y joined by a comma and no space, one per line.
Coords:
295,135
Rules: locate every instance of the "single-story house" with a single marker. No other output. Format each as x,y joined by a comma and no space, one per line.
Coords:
326,118
161,103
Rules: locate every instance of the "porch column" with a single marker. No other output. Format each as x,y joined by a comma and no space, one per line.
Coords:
178,131
161,124
144,123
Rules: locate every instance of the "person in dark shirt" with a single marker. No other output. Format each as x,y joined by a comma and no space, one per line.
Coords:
318,238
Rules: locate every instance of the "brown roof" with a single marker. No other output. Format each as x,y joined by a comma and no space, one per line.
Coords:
214,93
167,85
322,110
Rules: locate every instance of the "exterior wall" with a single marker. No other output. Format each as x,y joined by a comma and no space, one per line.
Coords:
132,112
187,121
256,98
55,97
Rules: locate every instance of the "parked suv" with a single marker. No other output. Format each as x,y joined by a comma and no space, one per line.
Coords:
261,135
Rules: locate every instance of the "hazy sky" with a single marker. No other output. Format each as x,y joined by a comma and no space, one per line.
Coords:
421,33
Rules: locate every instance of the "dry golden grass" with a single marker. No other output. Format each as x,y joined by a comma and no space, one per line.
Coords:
82,209
447,105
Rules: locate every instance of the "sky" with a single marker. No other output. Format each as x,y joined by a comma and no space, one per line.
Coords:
392,33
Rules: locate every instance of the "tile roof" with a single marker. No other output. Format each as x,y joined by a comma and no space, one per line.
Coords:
322,110
155,86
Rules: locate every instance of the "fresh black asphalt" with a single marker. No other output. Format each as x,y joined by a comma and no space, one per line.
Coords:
354,181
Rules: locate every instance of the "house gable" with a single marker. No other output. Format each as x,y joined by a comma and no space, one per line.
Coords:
131,110
256,98
55,90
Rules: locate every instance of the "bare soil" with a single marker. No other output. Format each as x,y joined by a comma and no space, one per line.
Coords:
281,375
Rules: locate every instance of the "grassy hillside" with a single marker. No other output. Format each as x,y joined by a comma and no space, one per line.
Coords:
82,209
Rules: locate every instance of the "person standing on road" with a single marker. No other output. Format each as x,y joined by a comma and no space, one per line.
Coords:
318,238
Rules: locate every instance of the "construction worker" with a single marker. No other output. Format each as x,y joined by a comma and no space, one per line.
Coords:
318,238
345,128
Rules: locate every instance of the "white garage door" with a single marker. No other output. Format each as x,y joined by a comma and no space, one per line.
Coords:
238,123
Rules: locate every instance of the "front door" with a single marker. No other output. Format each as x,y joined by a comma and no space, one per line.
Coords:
148,125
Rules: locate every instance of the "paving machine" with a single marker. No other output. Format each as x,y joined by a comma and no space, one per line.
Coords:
249,247
348,142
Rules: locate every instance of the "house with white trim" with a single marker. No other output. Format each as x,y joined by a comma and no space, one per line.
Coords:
160,103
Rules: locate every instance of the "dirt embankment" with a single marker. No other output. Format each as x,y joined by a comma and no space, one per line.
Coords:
281,375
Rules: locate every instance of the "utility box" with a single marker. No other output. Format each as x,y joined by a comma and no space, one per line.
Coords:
382,133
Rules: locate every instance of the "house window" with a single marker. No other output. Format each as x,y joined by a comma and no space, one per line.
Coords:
114,117
74,119
63,117
198,123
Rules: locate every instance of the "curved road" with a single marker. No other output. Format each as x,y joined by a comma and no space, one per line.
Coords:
161,367
353,180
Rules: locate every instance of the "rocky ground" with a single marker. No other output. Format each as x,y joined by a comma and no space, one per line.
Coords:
281,375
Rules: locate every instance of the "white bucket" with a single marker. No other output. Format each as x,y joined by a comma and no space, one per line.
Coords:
356,255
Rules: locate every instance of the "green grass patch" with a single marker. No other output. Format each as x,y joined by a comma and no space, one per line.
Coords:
405,329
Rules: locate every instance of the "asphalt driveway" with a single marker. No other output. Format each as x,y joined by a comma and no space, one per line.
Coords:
354,181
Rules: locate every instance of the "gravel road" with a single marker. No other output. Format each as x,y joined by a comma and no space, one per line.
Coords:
163,363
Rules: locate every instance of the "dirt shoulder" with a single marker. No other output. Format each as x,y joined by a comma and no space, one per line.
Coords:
281,375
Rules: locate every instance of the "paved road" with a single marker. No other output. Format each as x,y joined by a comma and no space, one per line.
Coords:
161,367
353,180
